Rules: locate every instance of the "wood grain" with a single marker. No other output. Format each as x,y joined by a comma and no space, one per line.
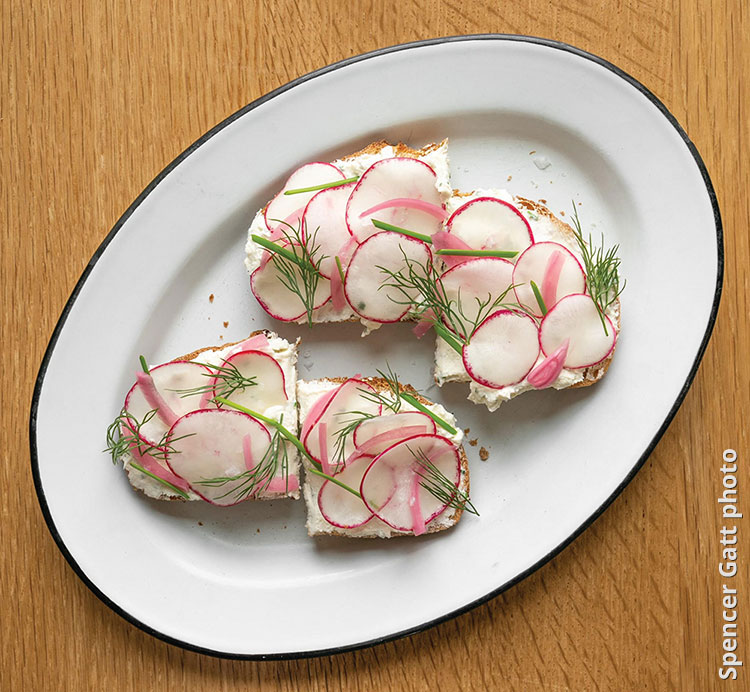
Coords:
97,97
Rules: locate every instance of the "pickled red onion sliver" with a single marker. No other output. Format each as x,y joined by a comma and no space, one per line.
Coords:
247,451
409,203
155,399
552,278
544,374
442,240
152,465
282,485
425,324
338,298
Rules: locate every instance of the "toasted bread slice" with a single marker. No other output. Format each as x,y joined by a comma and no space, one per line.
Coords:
308,392
285,355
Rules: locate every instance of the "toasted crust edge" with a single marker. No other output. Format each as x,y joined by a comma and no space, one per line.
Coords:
381,384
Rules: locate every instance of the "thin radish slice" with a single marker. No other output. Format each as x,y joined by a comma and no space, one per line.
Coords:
575,317
442,240
478,282
270,288
374,436
208,445
324,224
397,178
502,350
399,464
269,388
365,279
351,396
488,223
167,379
544,374
339,507
556,277
290,207
316,411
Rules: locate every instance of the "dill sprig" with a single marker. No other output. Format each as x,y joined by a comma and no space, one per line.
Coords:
124,434
228,380
435,482
431,303
297,264
602,268
254,481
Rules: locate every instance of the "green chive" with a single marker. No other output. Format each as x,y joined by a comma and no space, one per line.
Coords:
340,268
322,186
383,226
144,365
140,468
276,249
451,340
478,253
336,481
539,299
420,407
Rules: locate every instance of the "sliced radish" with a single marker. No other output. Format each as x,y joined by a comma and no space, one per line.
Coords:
553,268
502,350
339,410
398,465
488,223
575,317
289,208
365,278
208,444
475,282
401,191
269,388
339,507
375,435
324,223
167,380
269,287
316,411
257,342
157,467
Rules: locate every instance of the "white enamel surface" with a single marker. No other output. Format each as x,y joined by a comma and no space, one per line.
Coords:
246,588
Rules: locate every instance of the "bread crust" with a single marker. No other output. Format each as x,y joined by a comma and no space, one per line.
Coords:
380,384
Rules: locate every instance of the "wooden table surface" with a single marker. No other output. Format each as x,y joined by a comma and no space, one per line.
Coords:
97,96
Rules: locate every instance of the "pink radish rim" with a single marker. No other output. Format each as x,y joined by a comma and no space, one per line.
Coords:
466,205
589,365
323,512
281,192
403,442
424,415
364,175
494,315
211,411
562,247
359,247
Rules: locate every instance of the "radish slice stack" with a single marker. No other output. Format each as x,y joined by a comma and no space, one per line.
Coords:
216,444
391,486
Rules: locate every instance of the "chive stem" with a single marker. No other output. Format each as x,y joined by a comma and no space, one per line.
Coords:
144,365
477,253
539,299
340,268
174,488
383,226
269,421
451,340
276,249
336,481
421,407
322,186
